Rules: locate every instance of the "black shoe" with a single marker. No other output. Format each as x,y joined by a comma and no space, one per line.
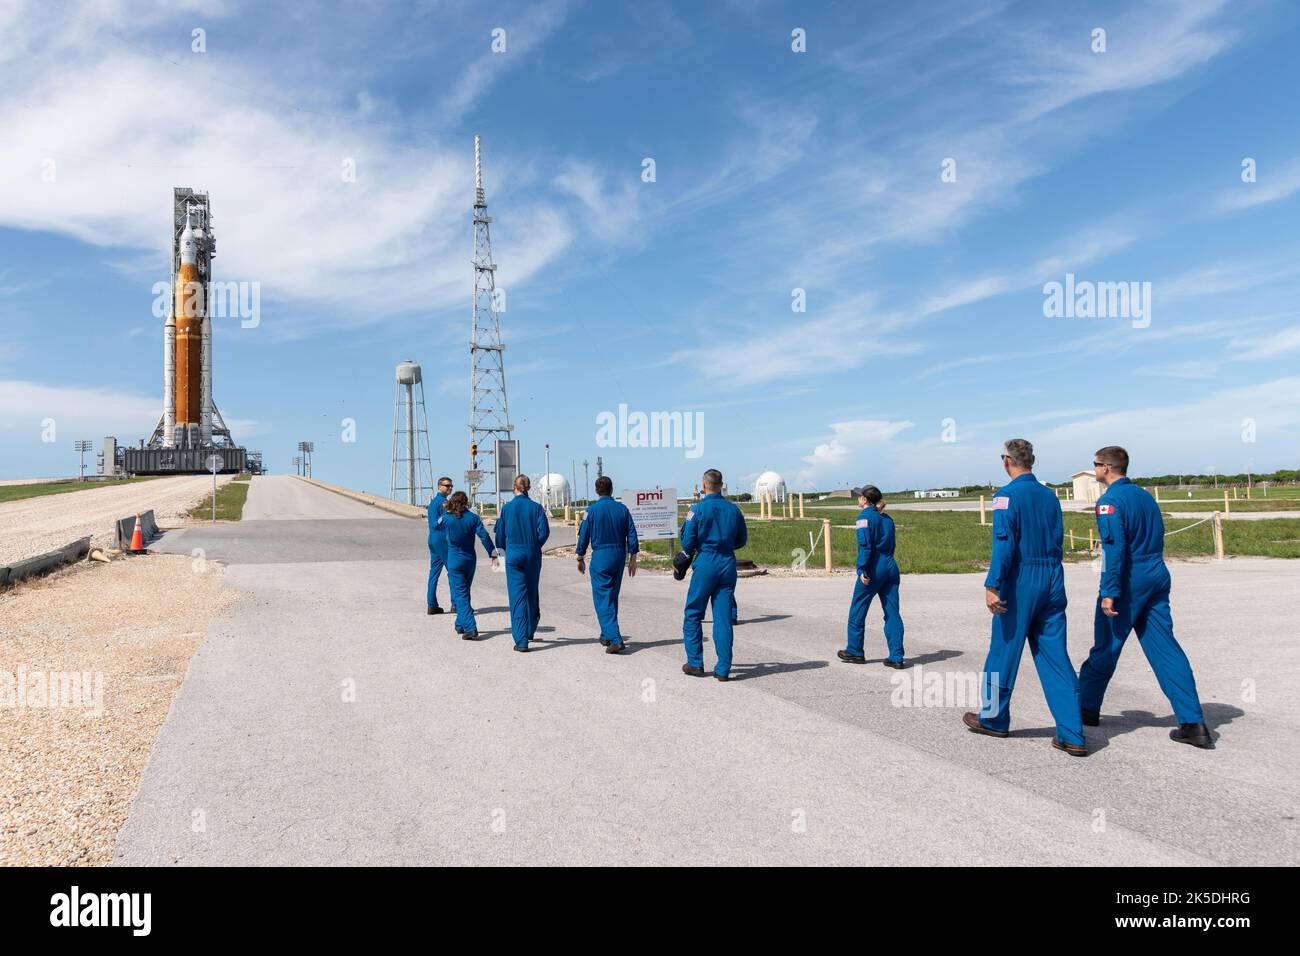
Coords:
848,658
1091,718
722,677
896,665
972,722
1198,735
521,650
435,610
611,648
1074,750
469,635
604,642
459,629
693,671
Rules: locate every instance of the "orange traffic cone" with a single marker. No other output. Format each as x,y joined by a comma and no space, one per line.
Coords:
137,536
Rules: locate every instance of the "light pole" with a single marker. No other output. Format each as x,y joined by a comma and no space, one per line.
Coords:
83,447
586,482
297,464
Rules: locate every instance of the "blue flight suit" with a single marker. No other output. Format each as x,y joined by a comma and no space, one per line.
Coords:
876,561
522,529
1026,572
714,529
611,534
437,549
1132,535
460,531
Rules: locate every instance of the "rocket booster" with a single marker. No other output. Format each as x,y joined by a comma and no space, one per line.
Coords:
190,311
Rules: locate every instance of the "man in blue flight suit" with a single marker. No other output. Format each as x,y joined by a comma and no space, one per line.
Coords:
877,575
438,545
609,531
713,531
1134,596
1025,592
521,530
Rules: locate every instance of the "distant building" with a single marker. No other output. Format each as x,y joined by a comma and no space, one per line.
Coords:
1086,486
937,493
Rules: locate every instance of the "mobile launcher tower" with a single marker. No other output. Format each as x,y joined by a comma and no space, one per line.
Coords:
191,430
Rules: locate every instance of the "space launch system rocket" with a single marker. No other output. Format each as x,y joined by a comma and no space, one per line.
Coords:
187,334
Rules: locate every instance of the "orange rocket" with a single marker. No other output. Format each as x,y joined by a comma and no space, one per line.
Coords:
190,311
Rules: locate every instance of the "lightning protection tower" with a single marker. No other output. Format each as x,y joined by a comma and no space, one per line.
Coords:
489,412
411,479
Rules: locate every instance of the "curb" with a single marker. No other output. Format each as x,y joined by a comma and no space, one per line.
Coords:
45,563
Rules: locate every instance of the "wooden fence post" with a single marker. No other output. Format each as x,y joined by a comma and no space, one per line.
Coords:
982,521
1218,536
801,504
826,537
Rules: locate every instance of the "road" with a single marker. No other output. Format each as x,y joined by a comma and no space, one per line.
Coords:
32,526
326,719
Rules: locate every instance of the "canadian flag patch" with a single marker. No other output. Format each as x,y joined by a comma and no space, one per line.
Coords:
863,523
1105,509
1001,503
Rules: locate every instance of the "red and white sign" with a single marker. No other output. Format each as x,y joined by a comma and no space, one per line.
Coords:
654,512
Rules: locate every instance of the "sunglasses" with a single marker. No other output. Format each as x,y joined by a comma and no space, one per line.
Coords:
1100,464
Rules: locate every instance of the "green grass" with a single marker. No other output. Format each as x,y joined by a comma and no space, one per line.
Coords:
18,492
1241,504
931,542
230,502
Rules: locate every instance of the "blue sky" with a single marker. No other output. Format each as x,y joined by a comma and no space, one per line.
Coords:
775,170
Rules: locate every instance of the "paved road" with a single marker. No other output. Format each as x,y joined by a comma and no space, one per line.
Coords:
327,720
32,526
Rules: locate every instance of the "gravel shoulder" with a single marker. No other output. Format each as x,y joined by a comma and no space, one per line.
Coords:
129,628
34,526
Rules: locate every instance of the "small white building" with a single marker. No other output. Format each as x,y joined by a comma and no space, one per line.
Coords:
551,491
769,484
937,493
1086,486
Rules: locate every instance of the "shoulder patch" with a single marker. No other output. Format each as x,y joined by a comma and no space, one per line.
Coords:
690,515
1001,503
863,523
1105,509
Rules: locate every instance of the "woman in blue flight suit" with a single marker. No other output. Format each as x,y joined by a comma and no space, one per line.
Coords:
877,575
461,527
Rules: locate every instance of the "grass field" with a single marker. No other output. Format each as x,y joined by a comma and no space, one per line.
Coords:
1242,505
954,542
230,501
18,492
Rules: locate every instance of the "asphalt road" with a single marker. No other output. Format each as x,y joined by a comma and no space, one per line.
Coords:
326,719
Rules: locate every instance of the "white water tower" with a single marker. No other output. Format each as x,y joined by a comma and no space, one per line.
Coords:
411,479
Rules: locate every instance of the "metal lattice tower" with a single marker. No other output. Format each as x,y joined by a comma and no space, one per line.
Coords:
489,411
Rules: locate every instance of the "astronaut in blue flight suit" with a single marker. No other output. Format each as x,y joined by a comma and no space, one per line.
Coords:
462,526
438,546
521,530
714,529
1134,596
877,575
1025,592
609,531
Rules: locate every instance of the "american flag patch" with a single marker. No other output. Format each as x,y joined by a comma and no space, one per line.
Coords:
690,515
863,523
1105,509
1001,503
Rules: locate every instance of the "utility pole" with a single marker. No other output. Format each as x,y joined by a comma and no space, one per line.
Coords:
83,447
586,482
600,467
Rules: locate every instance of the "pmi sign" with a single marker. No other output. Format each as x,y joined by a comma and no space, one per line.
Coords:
654,512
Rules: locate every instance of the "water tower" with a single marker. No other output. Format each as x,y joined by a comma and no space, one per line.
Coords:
412,473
